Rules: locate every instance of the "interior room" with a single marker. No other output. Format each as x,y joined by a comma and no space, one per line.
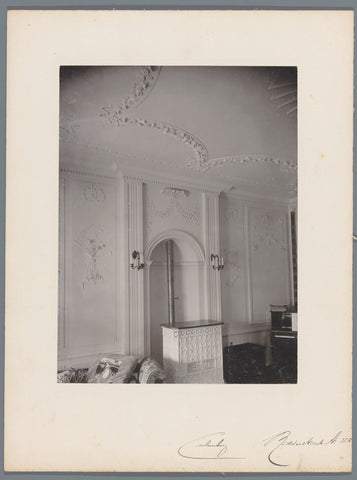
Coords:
177,224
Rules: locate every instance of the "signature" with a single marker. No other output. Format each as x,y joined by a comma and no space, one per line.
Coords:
212,446
279,441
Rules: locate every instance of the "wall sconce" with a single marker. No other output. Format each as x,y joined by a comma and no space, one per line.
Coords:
136,262
217,262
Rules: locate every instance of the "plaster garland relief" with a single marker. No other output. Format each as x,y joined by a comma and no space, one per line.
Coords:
267,232
207,164
192,215
231,271
94,193
68,131
233,213
140,89
199,149
200,160
92,248
117,116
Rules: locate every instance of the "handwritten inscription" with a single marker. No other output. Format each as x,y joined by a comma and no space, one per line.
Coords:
212,446
278,443
283,445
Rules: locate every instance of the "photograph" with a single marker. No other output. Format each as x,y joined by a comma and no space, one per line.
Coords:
178,224
179,209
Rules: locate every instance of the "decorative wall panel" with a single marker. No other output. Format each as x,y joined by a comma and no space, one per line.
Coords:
88,267
166,211
256,252
93,278
233,248
269,261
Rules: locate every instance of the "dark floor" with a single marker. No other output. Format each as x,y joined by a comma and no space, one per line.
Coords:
245,363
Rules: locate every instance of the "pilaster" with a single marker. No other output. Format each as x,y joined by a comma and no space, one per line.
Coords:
135,287
212,246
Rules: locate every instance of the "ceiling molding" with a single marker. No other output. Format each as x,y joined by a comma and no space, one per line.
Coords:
223,183
175,181
146,176
192,167
222,161
178,133
259,200
283,93
139,90
68,170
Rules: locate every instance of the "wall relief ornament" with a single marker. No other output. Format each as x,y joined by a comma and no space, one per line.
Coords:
68,131
174,206
93,249
232,213
231,267
268,233
93,193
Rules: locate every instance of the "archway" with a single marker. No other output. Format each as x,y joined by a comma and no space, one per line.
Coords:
188,281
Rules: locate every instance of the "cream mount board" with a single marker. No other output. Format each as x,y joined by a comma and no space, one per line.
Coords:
55,427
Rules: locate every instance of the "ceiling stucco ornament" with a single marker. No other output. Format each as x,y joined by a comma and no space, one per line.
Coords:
120,116
283,87
140,89
201,153
219,162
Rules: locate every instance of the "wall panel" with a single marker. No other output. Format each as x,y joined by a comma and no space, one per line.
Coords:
269,256
88,267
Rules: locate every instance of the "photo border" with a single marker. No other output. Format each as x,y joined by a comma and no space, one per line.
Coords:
156,5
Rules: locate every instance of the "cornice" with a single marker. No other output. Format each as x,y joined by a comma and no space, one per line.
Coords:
142,176
256,200
87,173
175,181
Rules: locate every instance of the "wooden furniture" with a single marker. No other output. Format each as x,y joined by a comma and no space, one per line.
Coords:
284,352
192,352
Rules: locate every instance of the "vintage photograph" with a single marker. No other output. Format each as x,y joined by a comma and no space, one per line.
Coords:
178,225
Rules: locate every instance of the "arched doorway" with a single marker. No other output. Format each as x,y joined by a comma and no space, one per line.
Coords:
188,281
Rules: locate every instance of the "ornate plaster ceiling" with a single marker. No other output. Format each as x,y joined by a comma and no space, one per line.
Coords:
230,124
